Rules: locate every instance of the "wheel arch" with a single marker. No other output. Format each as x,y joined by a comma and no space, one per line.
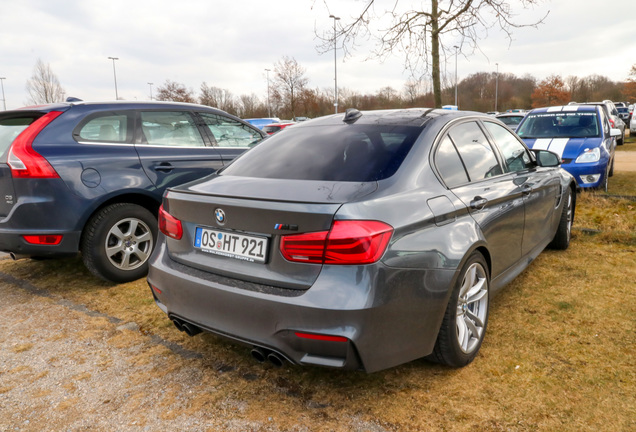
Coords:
146,201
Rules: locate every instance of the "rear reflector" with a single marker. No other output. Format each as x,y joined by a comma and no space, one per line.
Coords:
23,160
321,337
349,242
169,225
155,288
48,240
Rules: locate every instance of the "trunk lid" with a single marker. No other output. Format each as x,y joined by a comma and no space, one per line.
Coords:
261,210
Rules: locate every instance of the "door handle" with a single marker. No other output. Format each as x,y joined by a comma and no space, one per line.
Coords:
478,203
164,167
526,190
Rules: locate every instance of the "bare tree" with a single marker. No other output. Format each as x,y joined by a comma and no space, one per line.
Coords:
289,82
251,106
43,86
420,31
175,92
218,98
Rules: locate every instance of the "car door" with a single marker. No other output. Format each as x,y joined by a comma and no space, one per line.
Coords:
493,198
172,148
229,136
540,188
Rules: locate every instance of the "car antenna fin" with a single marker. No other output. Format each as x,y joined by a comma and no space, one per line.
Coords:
351,115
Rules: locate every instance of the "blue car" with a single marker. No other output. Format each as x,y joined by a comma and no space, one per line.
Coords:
89,177
580,135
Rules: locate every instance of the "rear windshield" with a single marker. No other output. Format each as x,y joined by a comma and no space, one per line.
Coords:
354,153
511,120
560,125
10,128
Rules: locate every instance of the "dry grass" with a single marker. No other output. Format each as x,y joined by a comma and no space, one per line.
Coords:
629,145
559,354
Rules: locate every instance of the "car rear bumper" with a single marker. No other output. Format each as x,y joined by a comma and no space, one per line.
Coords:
379,317
14,242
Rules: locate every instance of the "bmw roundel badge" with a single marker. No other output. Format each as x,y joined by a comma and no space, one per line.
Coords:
220,216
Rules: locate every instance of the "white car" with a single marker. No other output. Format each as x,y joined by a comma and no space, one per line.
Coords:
632,125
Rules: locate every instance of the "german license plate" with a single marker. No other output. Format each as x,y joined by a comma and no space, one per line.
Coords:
230,244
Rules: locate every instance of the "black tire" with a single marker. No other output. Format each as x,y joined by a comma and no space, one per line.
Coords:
466,317
117,242
561,240
622,140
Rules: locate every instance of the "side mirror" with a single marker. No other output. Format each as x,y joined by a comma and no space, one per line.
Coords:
547,158
615,132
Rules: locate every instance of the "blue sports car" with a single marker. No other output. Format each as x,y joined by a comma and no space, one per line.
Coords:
580,135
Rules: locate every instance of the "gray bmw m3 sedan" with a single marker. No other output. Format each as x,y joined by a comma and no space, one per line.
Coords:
361,240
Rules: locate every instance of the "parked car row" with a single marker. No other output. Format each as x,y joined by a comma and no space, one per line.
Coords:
328,244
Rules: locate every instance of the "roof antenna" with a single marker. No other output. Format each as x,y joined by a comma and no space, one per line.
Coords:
351,115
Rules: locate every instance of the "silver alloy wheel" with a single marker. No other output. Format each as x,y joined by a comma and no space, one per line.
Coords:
128,244
472,308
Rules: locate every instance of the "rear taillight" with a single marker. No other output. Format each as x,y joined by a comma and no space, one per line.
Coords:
347,243
47,240
612,123
169,225
23,160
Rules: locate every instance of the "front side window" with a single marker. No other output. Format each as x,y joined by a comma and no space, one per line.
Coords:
515,155
108,128
228,132
475,151
170,128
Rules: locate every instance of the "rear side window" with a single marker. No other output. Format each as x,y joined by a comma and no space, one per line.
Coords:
449,164
228,132
354,153
106,128
475,151
170,128
10,128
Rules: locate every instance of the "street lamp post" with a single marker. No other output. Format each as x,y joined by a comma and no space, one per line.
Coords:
269,112
150,84
115,75
4,101
496,86
335,62
456,49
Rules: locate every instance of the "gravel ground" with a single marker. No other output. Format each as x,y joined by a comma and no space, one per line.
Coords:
64,368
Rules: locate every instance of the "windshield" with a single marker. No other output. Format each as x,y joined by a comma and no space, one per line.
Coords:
560,125
356,153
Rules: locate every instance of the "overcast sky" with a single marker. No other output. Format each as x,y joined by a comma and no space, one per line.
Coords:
229,44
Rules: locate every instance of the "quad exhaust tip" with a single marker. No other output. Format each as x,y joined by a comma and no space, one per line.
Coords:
260,355
186,327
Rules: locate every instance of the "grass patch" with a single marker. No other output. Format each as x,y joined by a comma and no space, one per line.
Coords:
559,353
626,146
622,183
